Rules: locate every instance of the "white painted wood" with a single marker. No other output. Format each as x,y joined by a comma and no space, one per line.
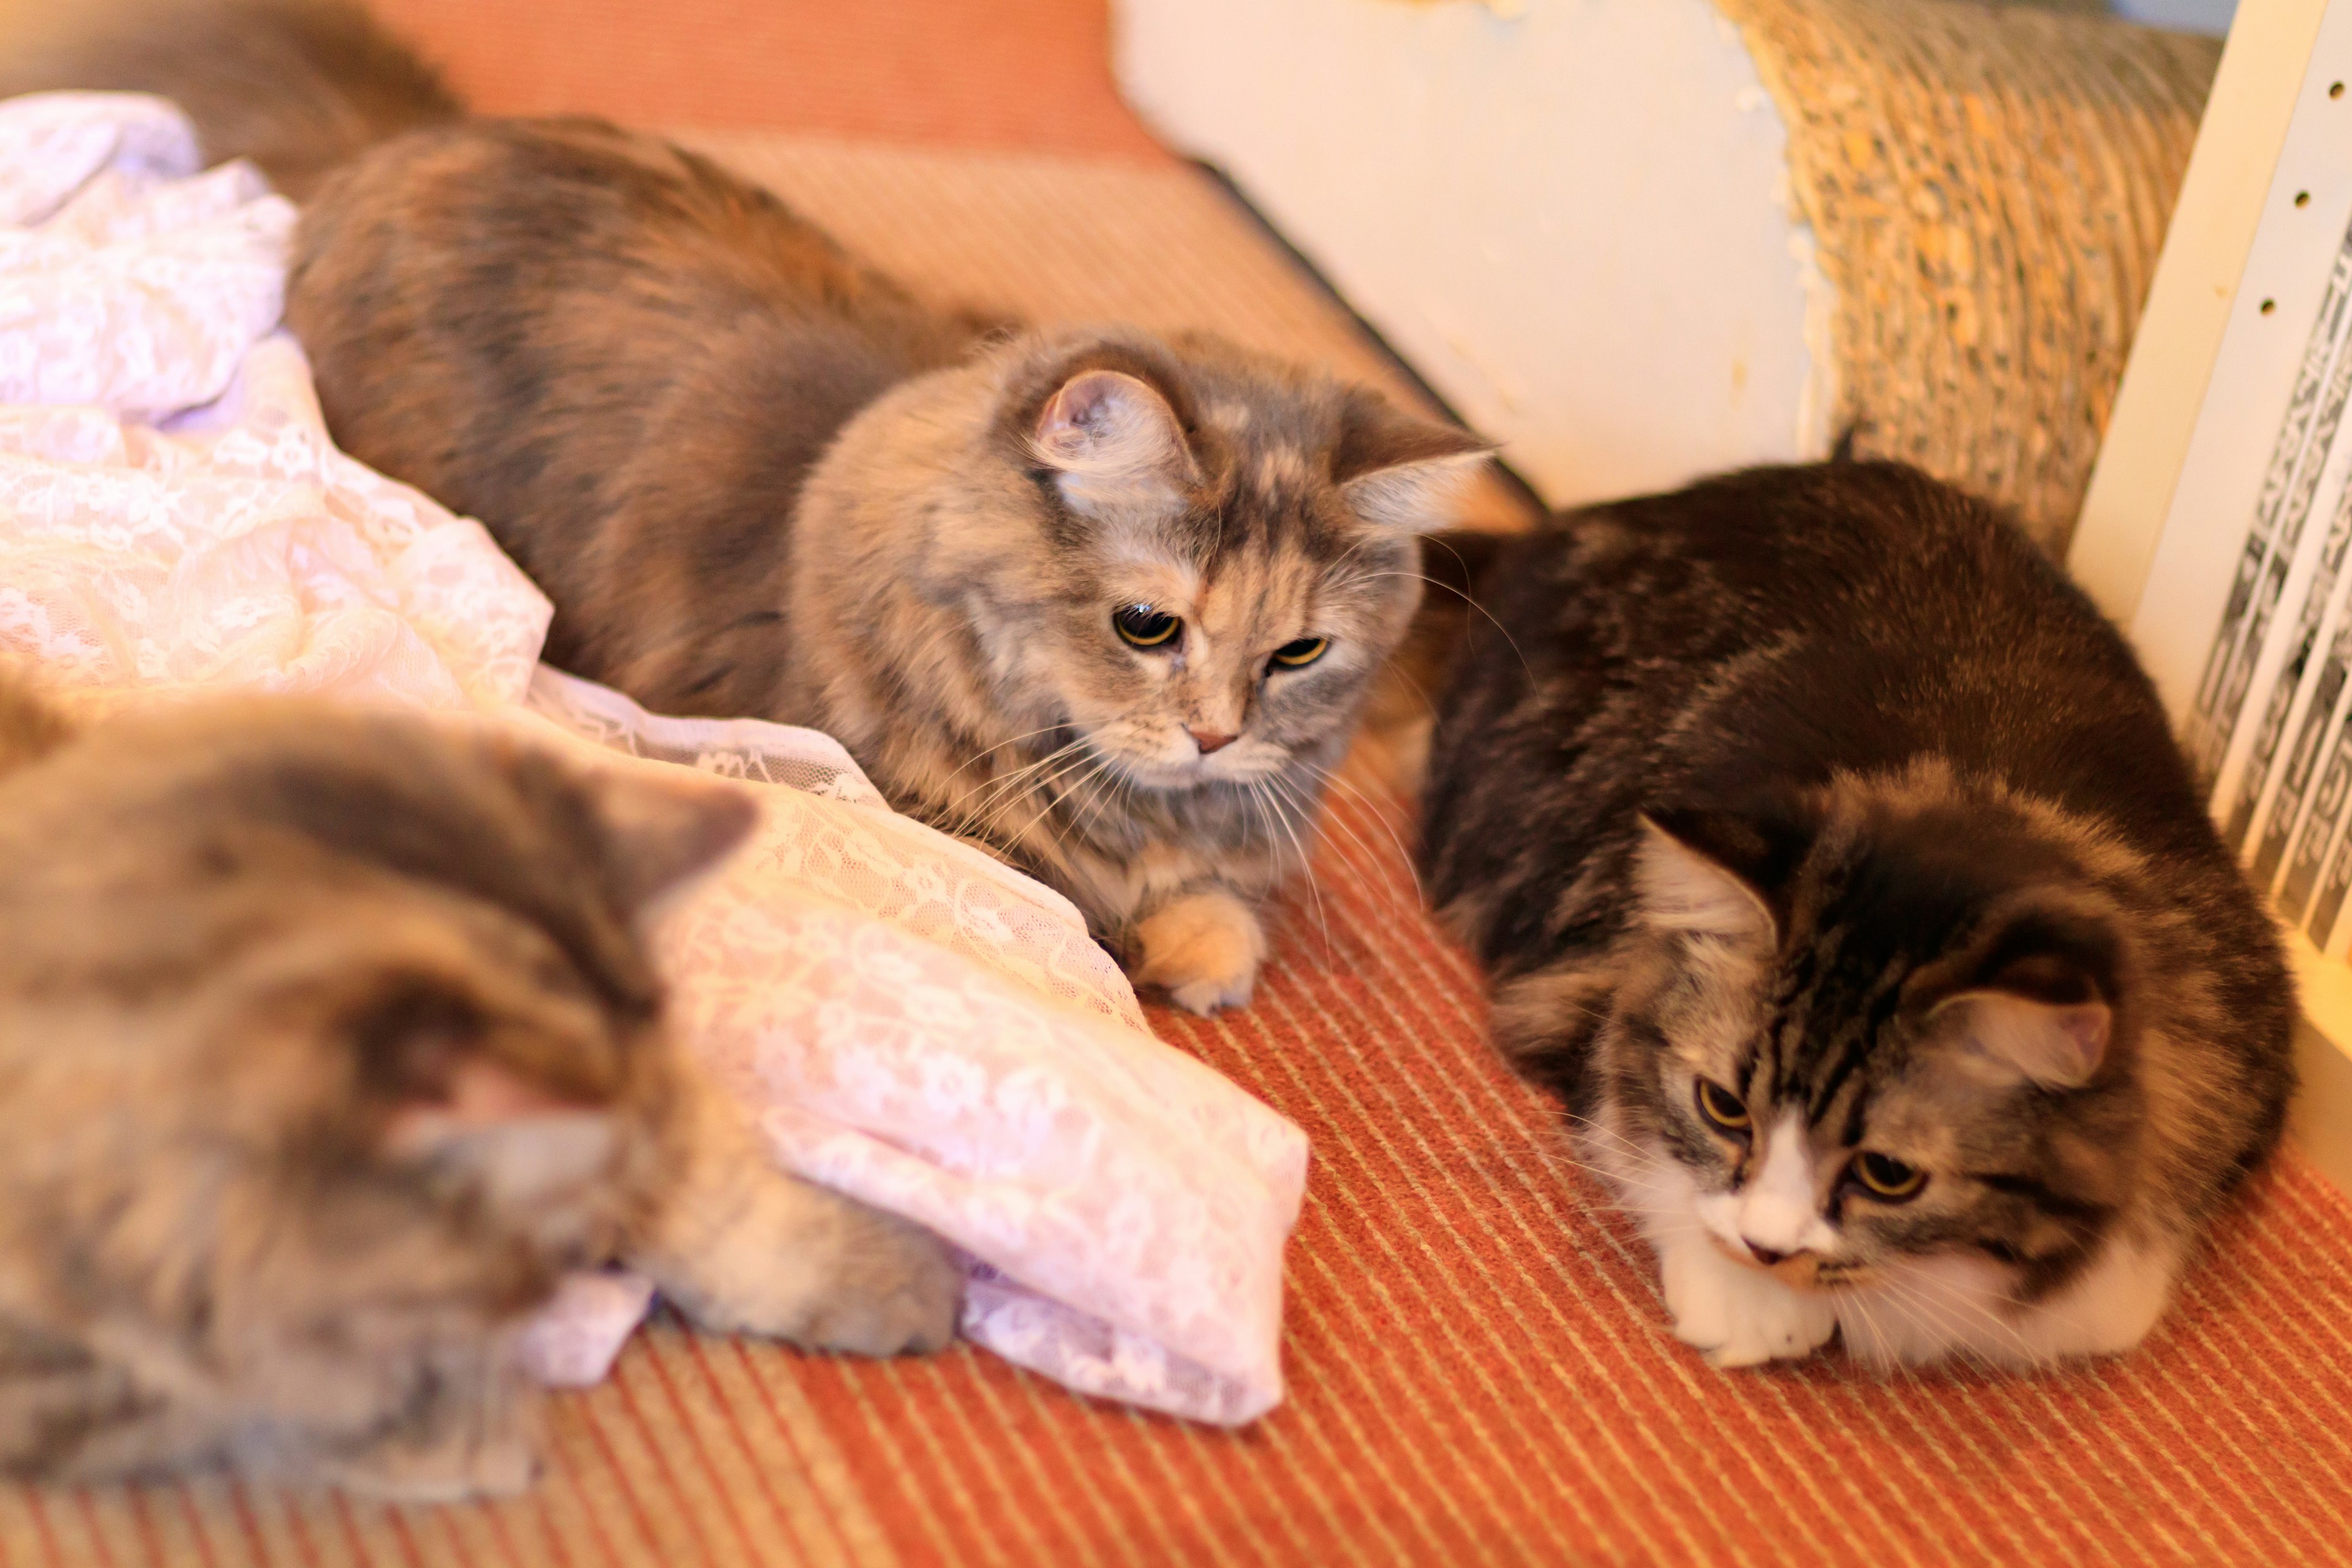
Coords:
2219,524
2242,617
2223,196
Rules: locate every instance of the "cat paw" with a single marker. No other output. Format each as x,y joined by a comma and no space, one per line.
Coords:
504,1468
1738,1316
1202,950
476,1442
824,1271
895,1291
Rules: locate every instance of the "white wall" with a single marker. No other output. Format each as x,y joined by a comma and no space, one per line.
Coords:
1569,216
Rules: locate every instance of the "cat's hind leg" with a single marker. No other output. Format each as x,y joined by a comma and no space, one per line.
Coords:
472,1430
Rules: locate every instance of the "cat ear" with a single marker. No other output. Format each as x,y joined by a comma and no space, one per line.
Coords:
457,1110
1114,444
2034,999
1399,472
511,1136
1684,887
661,830
2055,1045
1751,852
518,1143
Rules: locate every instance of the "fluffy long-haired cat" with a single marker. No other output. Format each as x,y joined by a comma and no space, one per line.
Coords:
327,1043
1109,602
1831,858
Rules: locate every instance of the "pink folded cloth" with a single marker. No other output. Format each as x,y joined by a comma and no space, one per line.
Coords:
910,1021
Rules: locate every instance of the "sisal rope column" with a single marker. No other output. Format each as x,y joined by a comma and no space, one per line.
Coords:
1988,190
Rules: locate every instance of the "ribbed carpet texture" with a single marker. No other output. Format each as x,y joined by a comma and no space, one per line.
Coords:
1480,1367
1480,1371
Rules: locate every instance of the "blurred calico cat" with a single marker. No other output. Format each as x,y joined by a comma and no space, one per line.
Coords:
1109,602
327,1044
1831,858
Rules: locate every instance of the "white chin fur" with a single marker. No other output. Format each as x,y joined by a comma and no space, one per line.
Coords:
1927,1308
1931,1307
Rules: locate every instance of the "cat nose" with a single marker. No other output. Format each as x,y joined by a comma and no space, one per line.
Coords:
1210,740
1767,1256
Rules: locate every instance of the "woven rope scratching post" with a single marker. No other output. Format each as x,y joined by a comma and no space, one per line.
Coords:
1639,240
1987,190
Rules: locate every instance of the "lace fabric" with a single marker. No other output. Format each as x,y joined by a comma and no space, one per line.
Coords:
924,1028
909,1020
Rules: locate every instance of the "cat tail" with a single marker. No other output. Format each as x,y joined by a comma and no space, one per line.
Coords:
1843,451
300,87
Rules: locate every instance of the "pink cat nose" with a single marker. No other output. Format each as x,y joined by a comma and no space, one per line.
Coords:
1210,740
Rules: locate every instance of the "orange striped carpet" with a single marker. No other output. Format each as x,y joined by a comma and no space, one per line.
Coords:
1480,1372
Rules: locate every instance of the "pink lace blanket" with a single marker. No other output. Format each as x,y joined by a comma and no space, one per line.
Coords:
912,1022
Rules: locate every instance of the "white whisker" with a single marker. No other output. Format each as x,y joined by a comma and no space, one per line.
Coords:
1306,864
1448,587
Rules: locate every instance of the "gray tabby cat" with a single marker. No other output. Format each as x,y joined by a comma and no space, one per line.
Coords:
1109,602
1833,860
327,1044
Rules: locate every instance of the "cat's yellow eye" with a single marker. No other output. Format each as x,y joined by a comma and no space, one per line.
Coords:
1140,626
1722,1107
1301,653
1887,1179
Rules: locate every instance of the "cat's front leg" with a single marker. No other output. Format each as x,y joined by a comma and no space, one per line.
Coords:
1738,1316
476,1435
742,1246
1203,948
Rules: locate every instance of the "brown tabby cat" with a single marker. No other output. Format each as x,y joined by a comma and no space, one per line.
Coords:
1832,860
327,1043
1109,602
